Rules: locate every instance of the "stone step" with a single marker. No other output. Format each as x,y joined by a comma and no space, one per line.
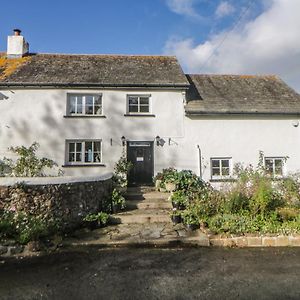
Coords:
141,196
142,216
148,204
141,189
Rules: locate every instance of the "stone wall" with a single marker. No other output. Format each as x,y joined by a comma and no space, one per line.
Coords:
66,198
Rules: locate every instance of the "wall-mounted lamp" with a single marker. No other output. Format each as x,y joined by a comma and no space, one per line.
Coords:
157,140
123,139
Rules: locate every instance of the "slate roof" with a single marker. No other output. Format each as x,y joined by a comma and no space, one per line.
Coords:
96,70
240,94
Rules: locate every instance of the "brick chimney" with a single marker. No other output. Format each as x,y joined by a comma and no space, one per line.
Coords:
16,45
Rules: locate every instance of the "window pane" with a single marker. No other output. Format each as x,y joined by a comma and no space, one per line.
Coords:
269,166
98,100
144,100
144,109
133,100
89,104
79,104
71,157
133,108
88,151
215,163
97,157
71,147
216,172
78,156
98,110
225,163
78,147
278,166
225,171
72,108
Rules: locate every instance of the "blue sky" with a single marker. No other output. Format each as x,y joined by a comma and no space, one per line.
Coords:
208,36
114,26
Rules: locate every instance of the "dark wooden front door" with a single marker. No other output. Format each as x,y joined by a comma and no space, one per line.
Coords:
141,156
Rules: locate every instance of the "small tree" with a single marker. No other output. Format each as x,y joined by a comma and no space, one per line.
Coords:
122,167
27,163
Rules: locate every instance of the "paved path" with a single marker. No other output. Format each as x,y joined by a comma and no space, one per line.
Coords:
146,221
189,273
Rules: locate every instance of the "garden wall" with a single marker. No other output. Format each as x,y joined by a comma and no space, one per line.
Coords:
68,199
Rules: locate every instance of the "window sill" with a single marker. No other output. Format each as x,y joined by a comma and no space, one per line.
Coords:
84,116
139,115
83,165
222,180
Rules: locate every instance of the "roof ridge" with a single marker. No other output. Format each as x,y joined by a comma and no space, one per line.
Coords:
105,54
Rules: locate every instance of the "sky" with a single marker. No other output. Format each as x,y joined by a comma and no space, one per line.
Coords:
207,36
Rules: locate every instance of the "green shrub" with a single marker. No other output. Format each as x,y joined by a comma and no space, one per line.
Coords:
179,199
27,163
7,228
288,213
102,218
118,199
190,216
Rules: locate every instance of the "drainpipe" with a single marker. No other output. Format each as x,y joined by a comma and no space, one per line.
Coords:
200,161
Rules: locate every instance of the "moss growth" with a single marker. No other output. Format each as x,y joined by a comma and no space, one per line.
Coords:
9,66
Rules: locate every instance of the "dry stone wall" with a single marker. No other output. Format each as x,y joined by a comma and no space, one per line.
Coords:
68,199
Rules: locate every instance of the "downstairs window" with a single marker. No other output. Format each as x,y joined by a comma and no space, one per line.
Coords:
84,152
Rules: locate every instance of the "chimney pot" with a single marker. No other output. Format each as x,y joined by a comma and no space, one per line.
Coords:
16,45
17,32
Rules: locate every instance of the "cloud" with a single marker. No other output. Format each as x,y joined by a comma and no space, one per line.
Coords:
269,43
224,9
182,7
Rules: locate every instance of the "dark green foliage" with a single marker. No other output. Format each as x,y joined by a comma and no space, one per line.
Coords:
24,227
27,164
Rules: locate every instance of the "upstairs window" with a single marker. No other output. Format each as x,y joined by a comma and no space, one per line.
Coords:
221,168
274,166
84,152
80,104
138,104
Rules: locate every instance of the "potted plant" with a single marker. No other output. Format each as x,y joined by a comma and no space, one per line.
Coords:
176,216
94,221
118,201
179,200
190,219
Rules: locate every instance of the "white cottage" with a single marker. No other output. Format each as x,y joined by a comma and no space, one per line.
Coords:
84,110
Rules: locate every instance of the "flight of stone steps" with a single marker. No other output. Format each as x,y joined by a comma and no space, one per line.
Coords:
144,205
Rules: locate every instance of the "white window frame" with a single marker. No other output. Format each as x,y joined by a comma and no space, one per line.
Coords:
273,158
84,112
82,142
221,176
139,107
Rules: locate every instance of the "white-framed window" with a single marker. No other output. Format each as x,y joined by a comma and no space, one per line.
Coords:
84,152
138,104
84,104
274,166
221,167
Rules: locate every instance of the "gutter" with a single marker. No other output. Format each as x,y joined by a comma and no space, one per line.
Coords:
91,85
214,113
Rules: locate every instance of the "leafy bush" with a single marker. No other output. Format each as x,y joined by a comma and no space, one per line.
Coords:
122,167
254,203
24,227
101,217
27,163
118,199
179,199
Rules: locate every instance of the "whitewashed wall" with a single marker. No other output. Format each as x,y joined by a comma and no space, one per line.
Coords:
38,115
239,137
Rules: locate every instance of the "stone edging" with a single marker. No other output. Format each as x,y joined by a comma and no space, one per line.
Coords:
256,241
10,181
